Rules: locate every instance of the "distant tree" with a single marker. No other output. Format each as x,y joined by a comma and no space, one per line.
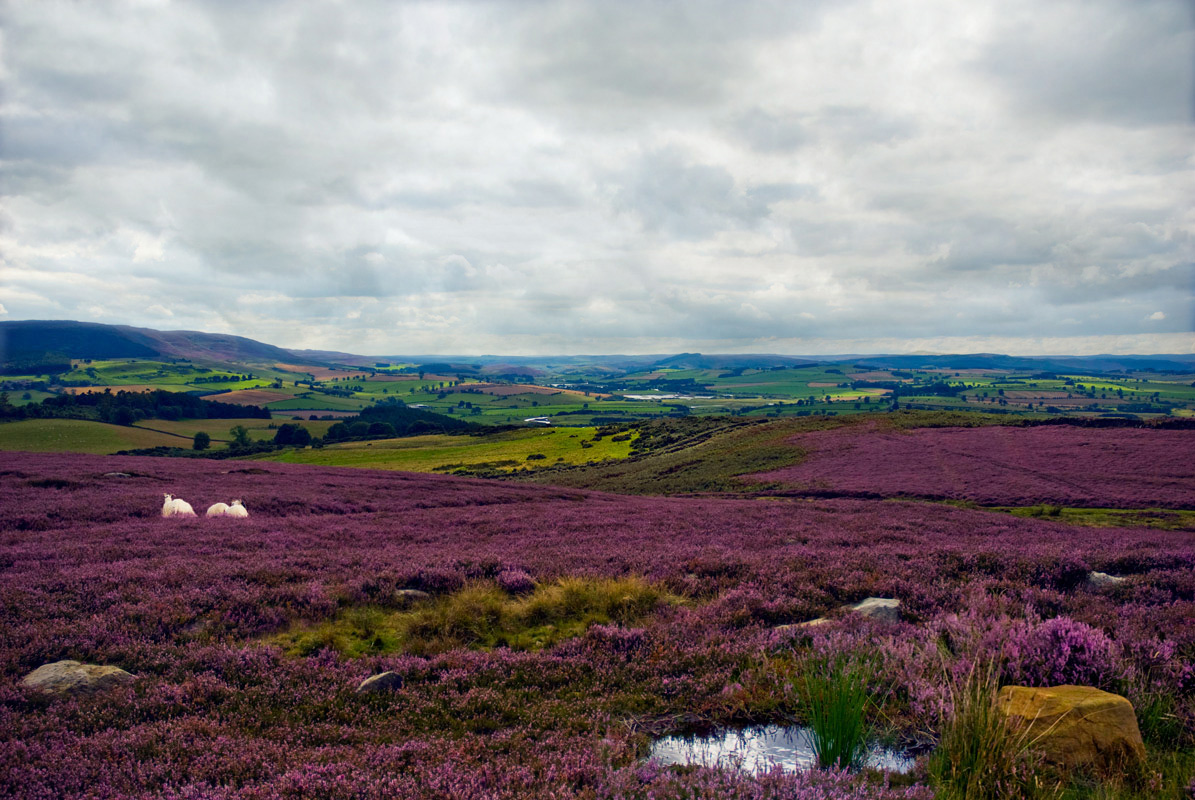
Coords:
124,416
338,431
201,441
302,437
359,429
240,436
286,435
382,429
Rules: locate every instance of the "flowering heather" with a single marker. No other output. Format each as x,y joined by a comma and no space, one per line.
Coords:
89,571
1000,465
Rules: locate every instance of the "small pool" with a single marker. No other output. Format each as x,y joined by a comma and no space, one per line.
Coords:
755,749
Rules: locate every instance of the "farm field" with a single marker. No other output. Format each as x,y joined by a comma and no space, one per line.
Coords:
249,637
503,452
80,436
259,429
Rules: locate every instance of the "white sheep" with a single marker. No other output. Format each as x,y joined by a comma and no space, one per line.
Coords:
217,510
176,507
237,509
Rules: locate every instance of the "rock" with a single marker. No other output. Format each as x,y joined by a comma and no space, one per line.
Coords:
382,682
884,609
796,626
71,677
410,595
1077,726
117,475
1098,580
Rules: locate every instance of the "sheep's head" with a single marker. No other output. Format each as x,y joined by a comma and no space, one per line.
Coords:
167,497
237,502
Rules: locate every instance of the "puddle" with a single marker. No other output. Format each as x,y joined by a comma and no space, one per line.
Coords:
755,749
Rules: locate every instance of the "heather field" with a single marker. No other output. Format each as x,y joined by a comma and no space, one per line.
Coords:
561,629
999,465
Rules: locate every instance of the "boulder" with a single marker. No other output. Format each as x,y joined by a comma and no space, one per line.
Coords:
1098,580
1076,726
71,677
410,595
884,609
382,682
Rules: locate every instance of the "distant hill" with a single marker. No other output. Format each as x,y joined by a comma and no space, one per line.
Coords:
747,361
995,361
32,342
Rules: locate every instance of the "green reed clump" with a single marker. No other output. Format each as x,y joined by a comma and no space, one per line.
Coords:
981,755
836,698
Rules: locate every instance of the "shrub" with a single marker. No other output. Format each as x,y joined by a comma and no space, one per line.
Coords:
201,441
1060,651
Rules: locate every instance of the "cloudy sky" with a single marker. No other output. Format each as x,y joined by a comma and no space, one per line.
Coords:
606,177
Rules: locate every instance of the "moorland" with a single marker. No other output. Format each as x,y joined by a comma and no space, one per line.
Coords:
560,564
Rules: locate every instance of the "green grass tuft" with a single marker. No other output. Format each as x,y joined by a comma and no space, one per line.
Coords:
980,755
836,697
480,615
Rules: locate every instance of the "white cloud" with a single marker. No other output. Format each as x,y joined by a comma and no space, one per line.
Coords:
1156,316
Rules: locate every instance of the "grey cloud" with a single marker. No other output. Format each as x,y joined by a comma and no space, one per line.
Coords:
1122,62
687,200
768,132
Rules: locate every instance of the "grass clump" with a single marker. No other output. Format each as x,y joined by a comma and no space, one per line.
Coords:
980,755
836,697
481,615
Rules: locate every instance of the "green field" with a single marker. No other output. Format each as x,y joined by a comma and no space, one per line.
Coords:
80,436
506,451
259,429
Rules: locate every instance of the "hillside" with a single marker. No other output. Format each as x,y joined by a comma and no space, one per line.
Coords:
29,342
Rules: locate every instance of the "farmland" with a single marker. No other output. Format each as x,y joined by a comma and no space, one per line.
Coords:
507,451
80,436
579,396
248,637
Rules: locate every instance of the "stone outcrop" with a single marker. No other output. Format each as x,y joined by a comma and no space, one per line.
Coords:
1098,580
72,677
382,682
884,609
410,596
1076,726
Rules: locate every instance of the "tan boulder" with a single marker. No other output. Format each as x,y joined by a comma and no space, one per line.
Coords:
71,677
1076,726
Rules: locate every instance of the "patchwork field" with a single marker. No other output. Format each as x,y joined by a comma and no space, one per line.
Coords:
560,631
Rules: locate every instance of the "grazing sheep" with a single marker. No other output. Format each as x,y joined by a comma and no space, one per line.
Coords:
236,510
175,507
217,510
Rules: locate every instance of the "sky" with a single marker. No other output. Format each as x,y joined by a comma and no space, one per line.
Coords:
532,178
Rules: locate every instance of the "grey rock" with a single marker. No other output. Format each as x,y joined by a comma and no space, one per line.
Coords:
1098,580
382,682
884,609
72,677
117,475
410,595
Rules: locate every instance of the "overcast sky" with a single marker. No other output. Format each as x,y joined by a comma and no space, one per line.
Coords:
606,177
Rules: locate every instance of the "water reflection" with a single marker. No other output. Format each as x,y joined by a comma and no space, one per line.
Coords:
755,749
